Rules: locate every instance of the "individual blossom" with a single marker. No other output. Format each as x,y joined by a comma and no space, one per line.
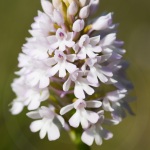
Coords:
82,85
26,96
45,123
97,132
88,46
61,63
83,116
61,40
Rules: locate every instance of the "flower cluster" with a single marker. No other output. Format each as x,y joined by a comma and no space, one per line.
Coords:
74,63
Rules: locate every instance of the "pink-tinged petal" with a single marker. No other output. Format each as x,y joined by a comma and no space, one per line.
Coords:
78,91
47,7
74,121
92,116
36,125
98,139
67,84
53,132
61,119
70,67
106,105
44,82
102,77
71,57
93,104
54,70
88,137
34,115
88,89
66,109
95,40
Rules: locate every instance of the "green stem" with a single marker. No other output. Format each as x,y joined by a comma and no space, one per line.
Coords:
76,138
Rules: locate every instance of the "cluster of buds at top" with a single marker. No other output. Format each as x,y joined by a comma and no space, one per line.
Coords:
74,63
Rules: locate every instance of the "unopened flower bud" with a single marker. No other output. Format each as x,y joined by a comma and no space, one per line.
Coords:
94,4
73,8
84,2
84,12
47,7
103,22
78,25
58,17
56,3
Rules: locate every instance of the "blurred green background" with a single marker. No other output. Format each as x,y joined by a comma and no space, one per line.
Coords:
134,132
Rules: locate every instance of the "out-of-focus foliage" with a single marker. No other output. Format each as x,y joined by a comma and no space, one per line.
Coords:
134,18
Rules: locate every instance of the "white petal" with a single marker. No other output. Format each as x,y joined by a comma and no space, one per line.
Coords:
54,70
92,116
47,7
95,40
106,105
74,121
34,104
44,129
87,137
102,77
62,70
98,139
84,123
67,84
88,89
92,77
70,67
93,104
78,91
71,57
44,82
65,109
34,115
61,119
36,125
17,107
53,132
115,96
81,54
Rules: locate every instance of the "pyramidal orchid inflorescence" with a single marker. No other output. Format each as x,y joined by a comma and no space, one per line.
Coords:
72,74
